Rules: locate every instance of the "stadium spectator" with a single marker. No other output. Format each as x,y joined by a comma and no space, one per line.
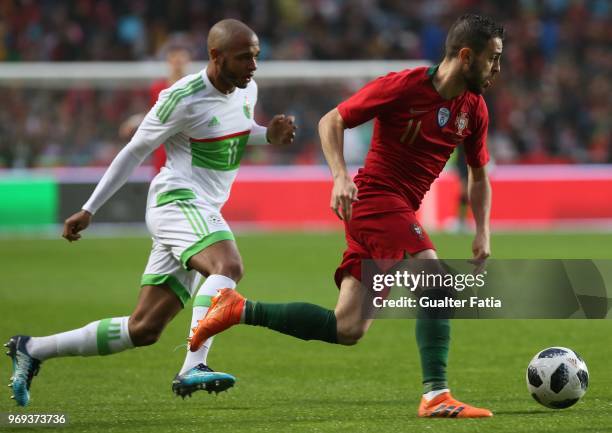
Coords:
556,108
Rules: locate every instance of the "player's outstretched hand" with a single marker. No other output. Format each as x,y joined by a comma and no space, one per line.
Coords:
76,223
481,250
281,129
343,196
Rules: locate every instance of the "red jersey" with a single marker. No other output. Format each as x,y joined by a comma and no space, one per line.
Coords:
159,155
415,132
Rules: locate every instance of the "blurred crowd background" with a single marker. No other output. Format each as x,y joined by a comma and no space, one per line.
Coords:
551,103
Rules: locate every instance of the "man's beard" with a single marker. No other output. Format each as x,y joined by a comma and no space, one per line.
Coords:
473,80
230,78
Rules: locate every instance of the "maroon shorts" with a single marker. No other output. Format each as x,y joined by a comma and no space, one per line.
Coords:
382,227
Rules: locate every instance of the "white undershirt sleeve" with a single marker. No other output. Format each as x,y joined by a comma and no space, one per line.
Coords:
150,134
115,177
258,135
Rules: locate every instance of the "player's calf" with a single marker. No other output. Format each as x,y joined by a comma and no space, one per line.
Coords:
352,311
144,332
157,306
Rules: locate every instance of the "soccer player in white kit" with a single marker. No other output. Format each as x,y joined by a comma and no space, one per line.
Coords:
205,121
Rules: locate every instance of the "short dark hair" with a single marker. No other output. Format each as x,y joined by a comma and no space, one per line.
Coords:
176,42
472,31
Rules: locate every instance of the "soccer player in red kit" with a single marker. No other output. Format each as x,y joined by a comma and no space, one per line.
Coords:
178,57
420,116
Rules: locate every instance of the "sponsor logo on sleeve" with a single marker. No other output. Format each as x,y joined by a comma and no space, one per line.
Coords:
443,116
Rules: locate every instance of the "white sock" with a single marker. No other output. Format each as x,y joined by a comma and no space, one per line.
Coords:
433,394
200,306
101,337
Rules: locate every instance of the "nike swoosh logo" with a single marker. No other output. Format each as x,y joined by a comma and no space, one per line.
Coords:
413,111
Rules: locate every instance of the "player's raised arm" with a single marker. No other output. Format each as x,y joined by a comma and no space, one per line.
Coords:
344,193
164,120
479,193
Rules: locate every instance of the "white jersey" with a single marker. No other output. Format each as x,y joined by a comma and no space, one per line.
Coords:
204,132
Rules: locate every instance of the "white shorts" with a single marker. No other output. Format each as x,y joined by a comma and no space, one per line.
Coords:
181,225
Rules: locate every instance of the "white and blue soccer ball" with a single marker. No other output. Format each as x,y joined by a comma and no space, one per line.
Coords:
557,377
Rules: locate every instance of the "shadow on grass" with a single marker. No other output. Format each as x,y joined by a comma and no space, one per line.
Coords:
523,412
346,402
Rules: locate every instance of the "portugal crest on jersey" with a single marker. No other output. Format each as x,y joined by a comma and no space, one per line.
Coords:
443,116
461,122
418,231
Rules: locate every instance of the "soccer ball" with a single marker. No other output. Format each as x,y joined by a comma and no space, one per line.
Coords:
557,377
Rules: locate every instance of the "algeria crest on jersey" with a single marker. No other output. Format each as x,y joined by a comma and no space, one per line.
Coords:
214,219
443,116
247,108
461,122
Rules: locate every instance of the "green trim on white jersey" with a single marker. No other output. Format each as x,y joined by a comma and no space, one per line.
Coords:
166,108
222,153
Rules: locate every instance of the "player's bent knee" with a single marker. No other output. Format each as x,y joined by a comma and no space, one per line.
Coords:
232,269
350,335
143,332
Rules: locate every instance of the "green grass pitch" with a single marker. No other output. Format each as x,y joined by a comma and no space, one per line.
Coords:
286,384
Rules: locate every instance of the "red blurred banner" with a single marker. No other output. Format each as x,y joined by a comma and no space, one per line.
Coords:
532,196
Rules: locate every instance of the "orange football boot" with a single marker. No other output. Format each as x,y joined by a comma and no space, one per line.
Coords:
445,406
224,312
